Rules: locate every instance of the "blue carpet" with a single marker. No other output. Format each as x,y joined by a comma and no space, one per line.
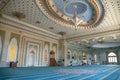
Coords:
87,72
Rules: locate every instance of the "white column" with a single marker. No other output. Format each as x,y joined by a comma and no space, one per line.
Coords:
20,52
5,49
65,53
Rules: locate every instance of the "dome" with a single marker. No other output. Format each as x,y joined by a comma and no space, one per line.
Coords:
73,13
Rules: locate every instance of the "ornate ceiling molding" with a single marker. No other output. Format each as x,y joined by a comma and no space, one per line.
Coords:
16,23
73,13
88,36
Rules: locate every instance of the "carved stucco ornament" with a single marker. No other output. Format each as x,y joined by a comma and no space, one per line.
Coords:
73,13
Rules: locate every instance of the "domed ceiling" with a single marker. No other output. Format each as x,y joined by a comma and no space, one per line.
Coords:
73,13
49,18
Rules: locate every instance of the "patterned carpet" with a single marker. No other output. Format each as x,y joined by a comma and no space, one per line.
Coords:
86,72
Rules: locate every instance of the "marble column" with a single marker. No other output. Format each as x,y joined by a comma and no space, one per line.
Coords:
63,51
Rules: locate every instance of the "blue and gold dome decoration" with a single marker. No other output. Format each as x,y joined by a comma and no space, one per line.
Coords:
73,13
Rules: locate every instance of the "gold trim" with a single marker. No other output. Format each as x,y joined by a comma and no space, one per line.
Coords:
42,5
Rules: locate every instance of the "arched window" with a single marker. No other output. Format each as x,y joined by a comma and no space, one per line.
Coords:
112,57
12,51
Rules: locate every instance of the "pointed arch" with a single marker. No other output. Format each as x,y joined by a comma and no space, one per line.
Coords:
52,54
46,55
55,50
95,57
69,57
31,58
80,55
69,54
52,58
12,50
75,55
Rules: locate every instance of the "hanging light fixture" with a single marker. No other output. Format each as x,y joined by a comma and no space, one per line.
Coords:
76,14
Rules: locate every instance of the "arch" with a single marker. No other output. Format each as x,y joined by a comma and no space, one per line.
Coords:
32,48
31,58
0,45
55,50
83,55
69,54
112,58
69,57
111,54
80,55
52,59
95,57
46,55
12,50
75,55
52,54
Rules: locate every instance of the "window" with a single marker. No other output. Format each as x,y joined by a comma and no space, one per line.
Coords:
112,57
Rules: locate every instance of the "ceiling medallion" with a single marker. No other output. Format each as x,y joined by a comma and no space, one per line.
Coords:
19,15
76,14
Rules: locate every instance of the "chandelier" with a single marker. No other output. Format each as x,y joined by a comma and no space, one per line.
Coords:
76,14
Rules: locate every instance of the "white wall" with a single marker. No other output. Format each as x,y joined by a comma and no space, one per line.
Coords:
102,54
24,37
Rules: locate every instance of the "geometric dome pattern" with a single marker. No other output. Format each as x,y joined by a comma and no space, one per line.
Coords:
77,14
